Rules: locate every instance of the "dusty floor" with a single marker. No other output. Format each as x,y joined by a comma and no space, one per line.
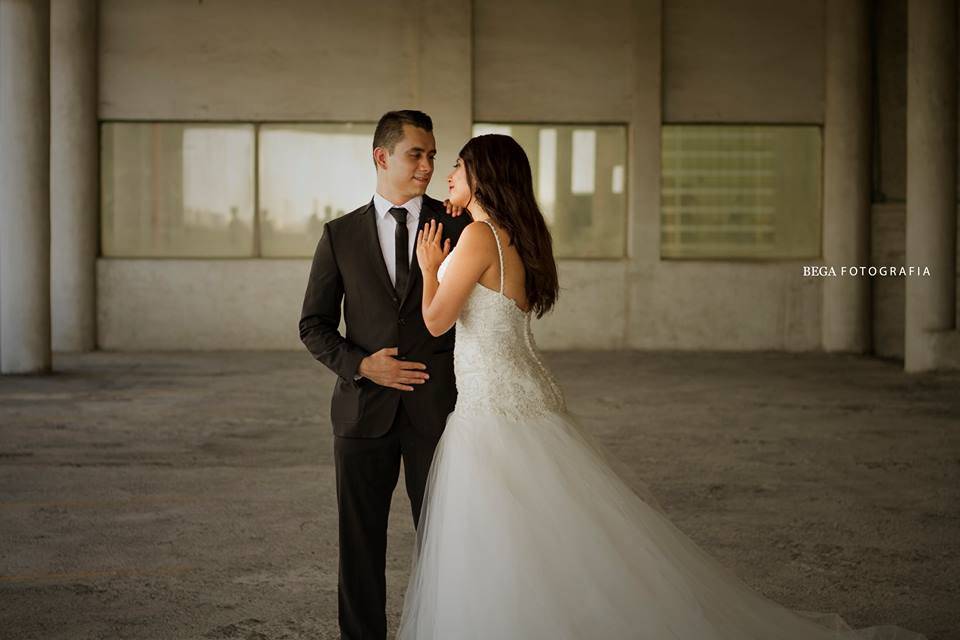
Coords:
192,496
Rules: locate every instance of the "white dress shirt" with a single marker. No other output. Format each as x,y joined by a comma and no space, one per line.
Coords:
387,228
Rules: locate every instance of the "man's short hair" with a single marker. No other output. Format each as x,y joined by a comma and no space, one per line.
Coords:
390,128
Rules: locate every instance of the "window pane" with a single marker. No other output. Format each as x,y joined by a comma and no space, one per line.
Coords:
310,174
176,190
740,191
578,178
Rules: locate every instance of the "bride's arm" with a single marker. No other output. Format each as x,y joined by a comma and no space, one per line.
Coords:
442,302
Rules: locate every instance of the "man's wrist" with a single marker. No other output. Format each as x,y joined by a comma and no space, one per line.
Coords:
359,373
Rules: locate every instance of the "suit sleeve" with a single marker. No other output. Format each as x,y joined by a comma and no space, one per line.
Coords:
320,316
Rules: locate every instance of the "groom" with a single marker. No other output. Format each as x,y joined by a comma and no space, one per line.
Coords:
395,383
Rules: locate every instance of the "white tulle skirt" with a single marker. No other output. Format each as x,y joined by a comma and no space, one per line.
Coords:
527,532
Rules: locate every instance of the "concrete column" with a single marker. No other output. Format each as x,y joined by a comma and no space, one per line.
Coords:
846,176
643,186
931,179
444,79
74,171
25,186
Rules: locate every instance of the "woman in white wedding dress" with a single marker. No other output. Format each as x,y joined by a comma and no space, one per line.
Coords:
527,532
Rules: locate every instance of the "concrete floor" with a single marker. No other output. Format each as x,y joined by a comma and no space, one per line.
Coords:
191,495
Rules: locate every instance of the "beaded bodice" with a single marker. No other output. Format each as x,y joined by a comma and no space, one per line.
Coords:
495,359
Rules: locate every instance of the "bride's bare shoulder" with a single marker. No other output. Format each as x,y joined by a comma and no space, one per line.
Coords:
477,238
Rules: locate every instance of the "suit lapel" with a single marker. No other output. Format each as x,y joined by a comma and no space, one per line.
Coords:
374,251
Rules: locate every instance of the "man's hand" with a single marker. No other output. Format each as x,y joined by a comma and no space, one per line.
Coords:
387,371
452,209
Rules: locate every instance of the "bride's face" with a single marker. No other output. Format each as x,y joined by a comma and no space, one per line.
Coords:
458,189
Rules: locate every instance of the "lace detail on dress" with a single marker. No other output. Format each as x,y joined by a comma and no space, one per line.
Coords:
495,359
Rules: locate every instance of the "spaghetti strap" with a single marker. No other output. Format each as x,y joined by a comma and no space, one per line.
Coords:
496,236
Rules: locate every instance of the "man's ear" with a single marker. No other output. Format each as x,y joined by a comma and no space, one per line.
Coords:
380,157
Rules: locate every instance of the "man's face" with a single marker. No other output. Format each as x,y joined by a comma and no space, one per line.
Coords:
407,171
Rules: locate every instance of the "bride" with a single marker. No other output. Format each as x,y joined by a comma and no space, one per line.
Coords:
527,532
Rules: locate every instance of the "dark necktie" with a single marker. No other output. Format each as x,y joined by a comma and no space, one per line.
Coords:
400,244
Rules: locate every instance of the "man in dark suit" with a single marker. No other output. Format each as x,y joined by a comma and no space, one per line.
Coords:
395,383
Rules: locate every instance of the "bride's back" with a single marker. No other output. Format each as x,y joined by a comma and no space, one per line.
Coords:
495,359
514,272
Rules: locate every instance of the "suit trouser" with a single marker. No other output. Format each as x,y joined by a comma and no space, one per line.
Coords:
367,472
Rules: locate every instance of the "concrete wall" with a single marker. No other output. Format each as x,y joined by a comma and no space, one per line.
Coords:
289,60
200,304
736,61
743,61
552,60
260,61
638,62
249,59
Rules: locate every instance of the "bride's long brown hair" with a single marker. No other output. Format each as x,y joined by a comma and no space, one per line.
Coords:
498,173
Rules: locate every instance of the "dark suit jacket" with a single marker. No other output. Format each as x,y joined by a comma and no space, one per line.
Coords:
348,266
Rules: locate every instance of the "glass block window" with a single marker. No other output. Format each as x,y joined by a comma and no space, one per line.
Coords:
308,175
740,191
177,190
579,178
